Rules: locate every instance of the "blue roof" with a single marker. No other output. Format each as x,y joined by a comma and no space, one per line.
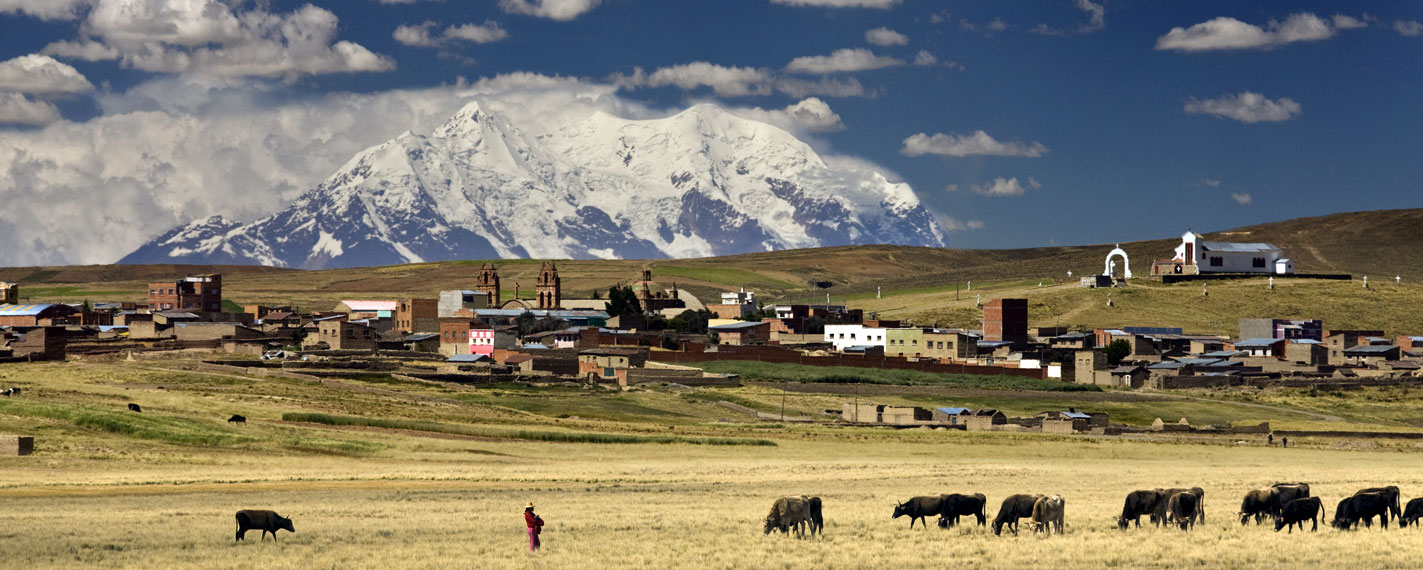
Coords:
1305,341
1370,349
1076,415
466,358
536,346
953,411
736,326
1166,365
23,310
1260,342
1199,361
1221,354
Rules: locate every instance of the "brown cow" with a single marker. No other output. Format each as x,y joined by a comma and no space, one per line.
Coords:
1048,514
1182,509
266,521
794,513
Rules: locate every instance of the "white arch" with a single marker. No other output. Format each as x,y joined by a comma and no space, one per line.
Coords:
1126,263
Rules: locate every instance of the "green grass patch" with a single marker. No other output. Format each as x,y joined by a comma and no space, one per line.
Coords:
528,435
722,276
156,427
848,375
71,291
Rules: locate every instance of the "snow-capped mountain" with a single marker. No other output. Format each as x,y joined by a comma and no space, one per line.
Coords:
701,182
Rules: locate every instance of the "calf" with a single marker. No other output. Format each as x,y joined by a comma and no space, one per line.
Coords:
135,408
236,419
1182,509
1411,513
918,508
265,521
1297,511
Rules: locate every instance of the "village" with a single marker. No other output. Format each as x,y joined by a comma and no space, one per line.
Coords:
647,333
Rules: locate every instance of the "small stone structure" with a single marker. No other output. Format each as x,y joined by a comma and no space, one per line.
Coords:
16,445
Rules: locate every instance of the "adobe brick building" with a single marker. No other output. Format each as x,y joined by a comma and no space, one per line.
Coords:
202,293
9,293
1006,320
417,315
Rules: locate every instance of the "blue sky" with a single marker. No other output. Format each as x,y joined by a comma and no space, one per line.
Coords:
1018,123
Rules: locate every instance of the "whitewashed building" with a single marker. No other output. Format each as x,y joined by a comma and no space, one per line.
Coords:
845,336
1196,256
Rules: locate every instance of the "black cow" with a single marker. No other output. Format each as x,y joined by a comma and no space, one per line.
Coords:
1013,508
1411,513
919,507
957,505
1159,515
1182,508
134,407
1258,503
1390,494
1363,508
236,419
1297,511
265,521
1139,503
1288,492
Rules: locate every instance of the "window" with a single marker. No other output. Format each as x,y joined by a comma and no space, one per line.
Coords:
1216,261
914,342
1257,262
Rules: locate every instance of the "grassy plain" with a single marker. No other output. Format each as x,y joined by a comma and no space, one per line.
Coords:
417,475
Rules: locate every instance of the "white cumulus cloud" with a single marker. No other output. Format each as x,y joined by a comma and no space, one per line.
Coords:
41,75
883,36
1410,28
808,115
16,109
560,10
45,9
426,34
1005,187
1241,198
1246,107
842,61
978,143
208,37
1226,33
732,81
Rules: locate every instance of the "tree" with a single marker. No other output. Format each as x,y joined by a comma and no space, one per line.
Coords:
623,301
691,322
1117,350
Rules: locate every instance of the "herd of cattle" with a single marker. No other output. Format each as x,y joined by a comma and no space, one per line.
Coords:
1287,504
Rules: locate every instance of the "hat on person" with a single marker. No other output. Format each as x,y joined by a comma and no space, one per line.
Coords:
530,505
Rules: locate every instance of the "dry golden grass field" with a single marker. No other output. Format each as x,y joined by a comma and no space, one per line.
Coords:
441,483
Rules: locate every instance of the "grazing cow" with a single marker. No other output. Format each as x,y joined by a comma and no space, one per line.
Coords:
1013,508
1288,492
1411,513
817,521
265,521
1390,494
8,392
236,419
134,407
1138,503
957,505
1362,507
1048,513
1258,503
1159,515
789,513
919,507
1182,509
1297,511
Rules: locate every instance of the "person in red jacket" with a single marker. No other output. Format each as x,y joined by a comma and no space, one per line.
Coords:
535,524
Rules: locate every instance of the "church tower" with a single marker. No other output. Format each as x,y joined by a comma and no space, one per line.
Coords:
488,283
550,289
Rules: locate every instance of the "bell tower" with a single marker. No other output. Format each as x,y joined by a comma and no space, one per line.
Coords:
488,283
549,287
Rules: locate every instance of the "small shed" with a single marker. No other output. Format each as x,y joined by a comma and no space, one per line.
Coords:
16,445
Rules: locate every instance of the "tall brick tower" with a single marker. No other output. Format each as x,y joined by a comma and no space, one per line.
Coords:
488,283
549,288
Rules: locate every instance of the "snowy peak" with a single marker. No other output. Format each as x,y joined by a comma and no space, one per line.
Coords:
699,182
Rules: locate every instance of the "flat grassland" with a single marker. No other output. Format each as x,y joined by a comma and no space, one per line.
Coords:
437,476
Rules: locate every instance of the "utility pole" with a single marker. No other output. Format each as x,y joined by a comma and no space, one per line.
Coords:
784,384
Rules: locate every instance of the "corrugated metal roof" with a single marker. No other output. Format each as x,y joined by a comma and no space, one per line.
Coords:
954,411
466,358
1370,349
736,326
1260,342
1229,247
24,310
1076,415
1167,365
369,305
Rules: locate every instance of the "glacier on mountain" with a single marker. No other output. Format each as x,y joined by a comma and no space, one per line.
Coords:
698,183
